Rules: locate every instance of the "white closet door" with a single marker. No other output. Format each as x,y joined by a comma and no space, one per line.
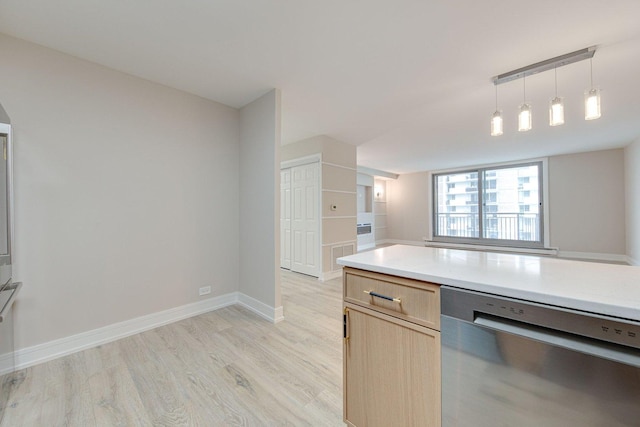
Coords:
285,218
305,221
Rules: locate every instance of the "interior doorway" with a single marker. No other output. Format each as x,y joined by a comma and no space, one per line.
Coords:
300,218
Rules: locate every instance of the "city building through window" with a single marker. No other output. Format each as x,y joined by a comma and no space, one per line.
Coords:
491,206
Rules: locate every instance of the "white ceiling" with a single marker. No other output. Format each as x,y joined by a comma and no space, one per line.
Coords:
408,81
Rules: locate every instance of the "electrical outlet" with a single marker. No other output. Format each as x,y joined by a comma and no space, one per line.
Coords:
204,290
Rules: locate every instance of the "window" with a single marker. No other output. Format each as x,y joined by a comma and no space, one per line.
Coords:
492,206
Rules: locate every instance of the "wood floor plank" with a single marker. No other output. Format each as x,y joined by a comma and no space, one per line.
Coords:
116,402
228,367
154,380
67,400
24,405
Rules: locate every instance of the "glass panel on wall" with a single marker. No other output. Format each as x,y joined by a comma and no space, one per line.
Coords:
457,205
494,206
511,203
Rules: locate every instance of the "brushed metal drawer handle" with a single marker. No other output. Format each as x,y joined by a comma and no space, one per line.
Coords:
377,295
345,331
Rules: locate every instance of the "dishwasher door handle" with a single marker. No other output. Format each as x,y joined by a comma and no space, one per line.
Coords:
603,349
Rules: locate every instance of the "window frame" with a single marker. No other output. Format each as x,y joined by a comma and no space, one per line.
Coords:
542,203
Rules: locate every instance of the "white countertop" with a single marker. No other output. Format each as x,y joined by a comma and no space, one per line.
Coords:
594,287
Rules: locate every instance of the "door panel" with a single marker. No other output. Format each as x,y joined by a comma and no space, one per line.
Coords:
310,252
285,218
305,221
296,258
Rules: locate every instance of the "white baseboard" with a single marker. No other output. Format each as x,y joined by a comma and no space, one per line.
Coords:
591,256
278,314
366,246
588,256
329,275
491,248
400,242
44,352
6,361
263,310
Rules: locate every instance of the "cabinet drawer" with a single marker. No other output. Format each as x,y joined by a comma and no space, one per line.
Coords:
416,301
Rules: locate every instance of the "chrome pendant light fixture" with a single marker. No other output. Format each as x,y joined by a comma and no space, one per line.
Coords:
556,106
524,116
496,119
591,99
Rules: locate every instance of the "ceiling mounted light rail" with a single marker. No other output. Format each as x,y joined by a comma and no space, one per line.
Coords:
556,106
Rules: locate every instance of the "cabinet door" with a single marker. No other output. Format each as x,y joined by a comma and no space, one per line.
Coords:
392,372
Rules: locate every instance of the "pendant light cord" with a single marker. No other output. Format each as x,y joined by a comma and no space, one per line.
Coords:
591,71
555,73
496,86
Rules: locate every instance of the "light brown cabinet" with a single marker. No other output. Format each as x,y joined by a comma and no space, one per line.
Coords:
391,351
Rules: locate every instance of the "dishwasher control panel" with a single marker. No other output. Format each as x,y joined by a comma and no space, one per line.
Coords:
467,305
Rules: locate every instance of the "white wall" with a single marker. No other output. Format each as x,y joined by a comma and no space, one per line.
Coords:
4,117
126,193
587,205
339,189
380,210
587,202
632,188
408,217
260,204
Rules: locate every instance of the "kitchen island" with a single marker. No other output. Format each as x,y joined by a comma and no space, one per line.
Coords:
403,362
608,289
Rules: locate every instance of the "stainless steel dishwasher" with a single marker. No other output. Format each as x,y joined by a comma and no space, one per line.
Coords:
507,362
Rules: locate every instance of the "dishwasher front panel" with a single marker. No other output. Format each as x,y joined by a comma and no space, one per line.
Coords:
497,376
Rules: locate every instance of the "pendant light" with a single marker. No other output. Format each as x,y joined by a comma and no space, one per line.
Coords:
592,99
496,119
524,117
556,106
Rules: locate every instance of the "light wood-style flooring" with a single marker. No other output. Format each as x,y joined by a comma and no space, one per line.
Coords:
224,368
